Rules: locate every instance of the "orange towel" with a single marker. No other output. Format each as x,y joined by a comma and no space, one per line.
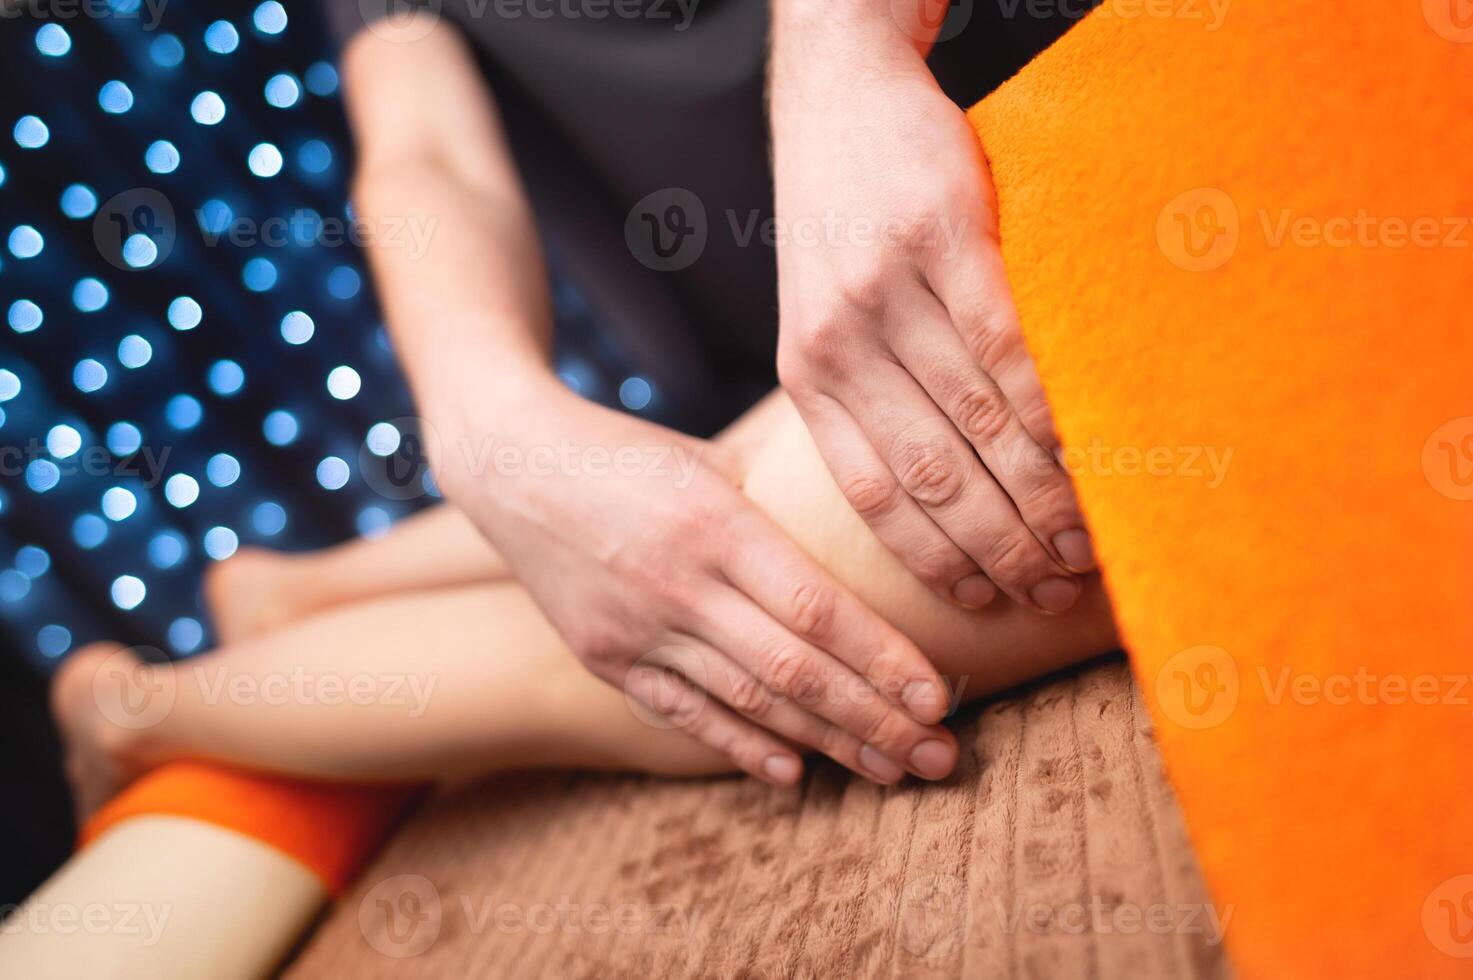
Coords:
1254,242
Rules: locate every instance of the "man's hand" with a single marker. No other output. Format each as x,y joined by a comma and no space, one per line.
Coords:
650,561
900,343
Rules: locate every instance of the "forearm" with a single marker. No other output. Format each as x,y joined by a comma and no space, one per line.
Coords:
471,297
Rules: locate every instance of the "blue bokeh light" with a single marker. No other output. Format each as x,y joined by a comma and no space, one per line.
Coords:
184,313
89,295
184,412
31,133
280,428
115,98
186,634
221,542
52,40
222,470
134,351
167,51
25,316
226,377
264,160
207,109
259,275
78,201
221,37
297,327
124,439
268,518
332,473
89,375
270,17
181,490
282,91
162,157
89,531
167,549
26,242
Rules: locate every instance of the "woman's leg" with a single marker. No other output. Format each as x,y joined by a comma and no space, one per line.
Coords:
258,590
453,682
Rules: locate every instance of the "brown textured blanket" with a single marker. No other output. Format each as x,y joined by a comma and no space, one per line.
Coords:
1056,851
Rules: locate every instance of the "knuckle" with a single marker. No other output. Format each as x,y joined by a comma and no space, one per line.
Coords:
821,343
983,413
931,473
942,568
1048,496
812,609
860,291
994,342
833,742
599,646
870,496
749,697
1014,559
886,732
786,670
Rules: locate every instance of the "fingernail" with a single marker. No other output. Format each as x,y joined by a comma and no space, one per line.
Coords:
1073,546
782,769
974,591
1055,594
932,759
878,765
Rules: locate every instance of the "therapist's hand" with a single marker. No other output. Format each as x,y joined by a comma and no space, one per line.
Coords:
899,340
650,562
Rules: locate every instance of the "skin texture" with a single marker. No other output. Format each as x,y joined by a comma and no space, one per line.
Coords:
622,566
899,339
485,683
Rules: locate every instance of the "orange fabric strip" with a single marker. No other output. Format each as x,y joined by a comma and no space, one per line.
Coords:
331,829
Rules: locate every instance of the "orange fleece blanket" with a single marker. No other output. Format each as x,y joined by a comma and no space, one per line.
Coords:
1241,251
1252,245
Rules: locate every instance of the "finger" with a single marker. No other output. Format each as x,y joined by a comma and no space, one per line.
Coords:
897,520
800,594
661,682
971,281
1032,477
799,672
941,471
706,667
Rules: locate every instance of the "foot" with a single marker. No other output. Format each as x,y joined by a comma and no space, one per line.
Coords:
251,593
104,701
